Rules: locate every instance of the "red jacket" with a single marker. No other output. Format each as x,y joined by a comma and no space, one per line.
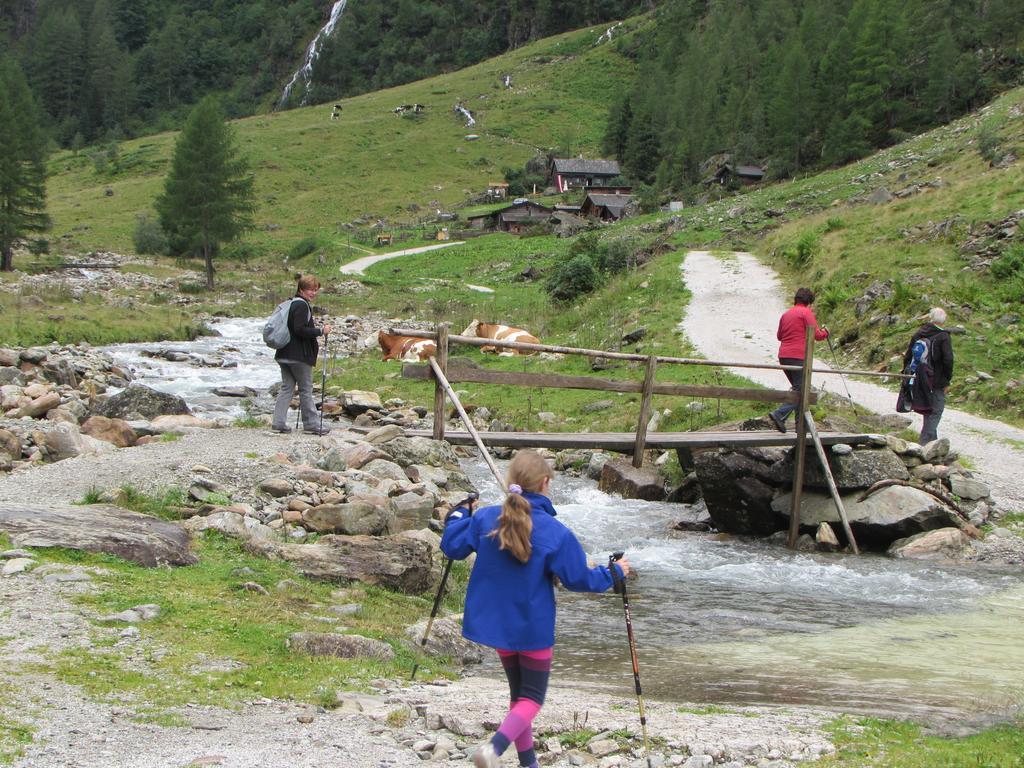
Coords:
793,331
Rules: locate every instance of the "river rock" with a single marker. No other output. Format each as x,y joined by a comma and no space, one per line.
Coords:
10,444
826,539
395,562
65,441
352,518
383,469
851,471
935,451
233,524
276,486
8,357
621,477
357,401
968,487
351,457
340,646
179,423
40,405
234,391
143,539
445,639
406,451
60,371
11,376
411,511
115,431
892,513
737,494
943,544
383,434
141,402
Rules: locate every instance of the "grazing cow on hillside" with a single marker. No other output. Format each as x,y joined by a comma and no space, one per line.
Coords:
406,348
502,333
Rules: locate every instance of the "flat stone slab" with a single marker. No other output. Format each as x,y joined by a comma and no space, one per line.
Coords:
104,528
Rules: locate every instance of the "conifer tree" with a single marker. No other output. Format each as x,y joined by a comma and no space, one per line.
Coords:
22,167
208,193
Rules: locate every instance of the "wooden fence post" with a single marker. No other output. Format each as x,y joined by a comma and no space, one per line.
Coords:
442,362
645,411
801,440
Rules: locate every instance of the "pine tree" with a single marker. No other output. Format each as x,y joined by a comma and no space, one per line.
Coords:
208,193
22,166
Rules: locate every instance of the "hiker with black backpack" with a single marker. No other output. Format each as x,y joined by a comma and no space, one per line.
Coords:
298,356
929,362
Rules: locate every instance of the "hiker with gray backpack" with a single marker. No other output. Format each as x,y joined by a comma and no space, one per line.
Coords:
291,331
929,363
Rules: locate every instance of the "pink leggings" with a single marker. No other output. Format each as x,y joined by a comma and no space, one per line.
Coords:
527,673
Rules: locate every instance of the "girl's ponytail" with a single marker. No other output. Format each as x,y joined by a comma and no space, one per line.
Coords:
515,524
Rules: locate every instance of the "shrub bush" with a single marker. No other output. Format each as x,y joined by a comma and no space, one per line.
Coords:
572,279
304,247
1009,264
802,254
149,237
832,296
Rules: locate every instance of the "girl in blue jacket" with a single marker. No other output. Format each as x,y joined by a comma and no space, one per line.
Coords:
510,601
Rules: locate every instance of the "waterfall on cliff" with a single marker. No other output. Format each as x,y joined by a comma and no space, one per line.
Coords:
305,72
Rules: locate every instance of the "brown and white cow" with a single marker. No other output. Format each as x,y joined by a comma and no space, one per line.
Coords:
407,348
502,333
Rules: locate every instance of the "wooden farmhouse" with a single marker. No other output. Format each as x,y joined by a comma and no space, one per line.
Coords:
605,207
576,173
719,169
514,218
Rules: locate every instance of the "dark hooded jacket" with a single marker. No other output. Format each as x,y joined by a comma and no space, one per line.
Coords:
941,353
303,346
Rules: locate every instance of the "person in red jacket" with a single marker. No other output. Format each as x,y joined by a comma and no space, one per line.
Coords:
792,335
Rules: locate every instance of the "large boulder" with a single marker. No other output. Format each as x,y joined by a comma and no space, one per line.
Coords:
445,639
10,444
356,518
420,450
619,476
115,431
141,402
40,405
395,562
852,471
340,646
140,538
737,492
65,441
354,456
895,512
943,545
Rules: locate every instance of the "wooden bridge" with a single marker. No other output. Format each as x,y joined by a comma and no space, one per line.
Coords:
634,443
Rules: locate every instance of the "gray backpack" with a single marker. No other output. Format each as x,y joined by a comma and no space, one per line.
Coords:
275,333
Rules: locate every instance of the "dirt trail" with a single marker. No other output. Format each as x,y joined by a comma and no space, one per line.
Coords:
733,316
356,267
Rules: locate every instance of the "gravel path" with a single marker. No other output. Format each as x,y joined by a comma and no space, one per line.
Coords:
733,316
356,267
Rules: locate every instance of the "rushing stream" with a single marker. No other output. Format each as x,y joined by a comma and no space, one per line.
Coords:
732,621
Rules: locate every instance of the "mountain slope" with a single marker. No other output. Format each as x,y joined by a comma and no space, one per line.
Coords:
313,173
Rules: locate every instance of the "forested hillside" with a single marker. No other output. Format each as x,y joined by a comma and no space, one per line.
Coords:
798,83
108,69
380,43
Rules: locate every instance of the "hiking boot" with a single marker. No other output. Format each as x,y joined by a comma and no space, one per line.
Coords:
779,424
283,430
316,430
486,757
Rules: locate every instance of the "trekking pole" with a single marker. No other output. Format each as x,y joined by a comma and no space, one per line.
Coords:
620,586
468,503
323,382
835,359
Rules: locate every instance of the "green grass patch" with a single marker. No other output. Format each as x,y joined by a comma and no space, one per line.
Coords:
14,734
216,643
714,709
870,742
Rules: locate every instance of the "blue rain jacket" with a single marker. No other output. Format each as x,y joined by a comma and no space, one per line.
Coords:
511,605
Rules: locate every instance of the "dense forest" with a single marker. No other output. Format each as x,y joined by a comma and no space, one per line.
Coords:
105,69
799,83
